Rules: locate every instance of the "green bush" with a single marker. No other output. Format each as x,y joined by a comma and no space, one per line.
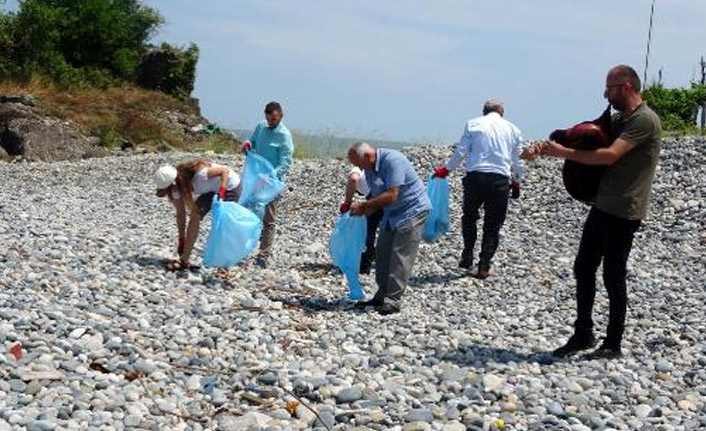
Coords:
677,107
8,66
90,43
169,69
110,138
90,35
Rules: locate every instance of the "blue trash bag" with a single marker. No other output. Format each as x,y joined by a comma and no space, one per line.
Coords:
235,232
260,184
346,245
437,222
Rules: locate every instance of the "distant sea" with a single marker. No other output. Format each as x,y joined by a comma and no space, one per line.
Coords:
309,145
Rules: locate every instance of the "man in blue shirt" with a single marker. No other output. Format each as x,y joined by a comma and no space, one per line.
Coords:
272,140
396,188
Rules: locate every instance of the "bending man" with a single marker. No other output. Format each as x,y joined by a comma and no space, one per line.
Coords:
395,188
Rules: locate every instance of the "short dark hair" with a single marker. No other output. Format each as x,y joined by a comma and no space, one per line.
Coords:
626,73
272,107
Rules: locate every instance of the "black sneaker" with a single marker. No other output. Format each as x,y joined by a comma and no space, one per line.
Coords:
369,303
574,345
386,309
465,263
604,352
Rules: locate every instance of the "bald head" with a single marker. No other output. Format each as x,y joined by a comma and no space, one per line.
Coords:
362,155
493,105
622,89
626,74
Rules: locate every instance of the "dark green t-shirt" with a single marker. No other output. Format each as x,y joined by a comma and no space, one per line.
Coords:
625,186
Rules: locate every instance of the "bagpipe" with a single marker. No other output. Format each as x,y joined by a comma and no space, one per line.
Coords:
580,180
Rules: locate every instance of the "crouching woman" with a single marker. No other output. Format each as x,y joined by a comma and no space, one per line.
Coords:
190,187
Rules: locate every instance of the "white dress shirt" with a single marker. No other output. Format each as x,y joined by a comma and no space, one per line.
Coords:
490,144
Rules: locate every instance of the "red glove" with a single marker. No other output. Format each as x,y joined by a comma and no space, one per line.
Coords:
247,146
180,245
515,190
222,192
441,172
344,208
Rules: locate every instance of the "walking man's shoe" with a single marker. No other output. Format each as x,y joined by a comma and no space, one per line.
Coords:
481,273
604,352
574,345
465,263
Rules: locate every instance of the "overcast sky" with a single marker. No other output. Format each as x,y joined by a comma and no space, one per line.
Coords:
418,69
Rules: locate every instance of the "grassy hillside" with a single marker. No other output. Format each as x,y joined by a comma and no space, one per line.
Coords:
126,116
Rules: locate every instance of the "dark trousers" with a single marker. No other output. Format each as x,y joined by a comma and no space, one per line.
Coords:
608,238
373,220
491,191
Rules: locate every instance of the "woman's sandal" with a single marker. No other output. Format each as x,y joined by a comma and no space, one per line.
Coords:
222,273
174,265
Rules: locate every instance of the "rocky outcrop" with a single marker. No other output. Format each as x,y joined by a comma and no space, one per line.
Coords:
28,133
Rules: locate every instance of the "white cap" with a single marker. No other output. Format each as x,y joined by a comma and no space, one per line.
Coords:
165,176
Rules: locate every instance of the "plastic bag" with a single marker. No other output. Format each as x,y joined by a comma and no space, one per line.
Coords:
260,184
346,244
235,232
437,222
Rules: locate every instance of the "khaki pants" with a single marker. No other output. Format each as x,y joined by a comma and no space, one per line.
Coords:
396,252
268,229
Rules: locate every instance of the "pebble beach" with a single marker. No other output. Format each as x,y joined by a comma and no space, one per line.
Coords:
96,335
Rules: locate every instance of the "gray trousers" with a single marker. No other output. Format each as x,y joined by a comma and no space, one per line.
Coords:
396,252
268,228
